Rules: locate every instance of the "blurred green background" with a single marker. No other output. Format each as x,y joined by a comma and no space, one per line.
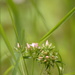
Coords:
36,25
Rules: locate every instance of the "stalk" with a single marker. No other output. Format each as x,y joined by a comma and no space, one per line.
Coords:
63,20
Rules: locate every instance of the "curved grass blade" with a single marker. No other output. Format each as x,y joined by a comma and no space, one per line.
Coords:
16,18
16,66
14,26
73,73
6,41
39,13
56,26
0,56
8,70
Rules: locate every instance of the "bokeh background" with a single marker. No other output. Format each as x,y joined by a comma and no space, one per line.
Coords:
36,25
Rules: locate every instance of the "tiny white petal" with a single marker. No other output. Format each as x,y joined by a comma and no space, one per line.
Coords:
47,43
18,45
28,46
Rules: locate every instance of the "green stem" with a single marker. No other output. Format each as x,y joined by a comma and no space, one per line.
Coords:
41,70
23,65
14,26
59,70
26,67
0,56
60,23
33,67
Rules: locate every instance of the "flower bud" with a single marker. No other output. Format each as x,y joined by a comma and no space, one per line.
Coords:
45,60
34,45
40,57
28,46
18,45
47,57
47,43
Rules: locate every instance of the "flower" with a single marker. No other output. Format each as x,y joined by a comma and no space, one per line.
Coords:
45,54
34,45
28,45
45,60
47,57
47,43
40,57
18,45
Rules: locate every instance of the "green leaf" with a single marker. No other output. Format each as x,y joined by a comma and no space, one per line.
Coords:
2,32
16,18
8,70
72,73
39,13
63,20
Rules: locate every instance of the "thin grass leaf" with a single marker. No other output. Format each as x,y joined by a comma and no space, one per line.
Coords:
16,18
0,56
63,20
73,73
14,26
17,28
16,66
23,37
6,41
8,70
39,13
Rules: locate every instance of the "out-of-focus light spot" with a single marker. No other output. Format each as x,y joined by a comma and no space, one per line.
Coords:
19,1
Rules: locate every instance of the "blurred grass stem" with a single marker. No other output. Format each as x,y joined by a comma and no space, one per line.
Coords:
63,20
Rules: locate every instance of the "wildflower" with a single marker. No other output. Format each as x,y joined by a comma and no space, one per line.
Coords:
40,57
47,57
50,44
47,43
44,54
18,45
34,45
28,46
16,48
45,60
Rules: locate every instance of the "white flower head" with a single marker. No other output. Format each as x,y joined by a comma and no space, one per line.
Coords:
34,45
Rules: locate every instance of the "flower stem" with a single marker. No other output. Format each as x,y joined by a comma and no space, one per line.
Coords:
26,67
33,67
41,70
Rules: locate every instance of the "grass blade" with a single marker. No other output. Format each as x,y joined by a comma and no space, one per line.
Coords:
60,23
73,73
14,26
16,18
8,70
6,41
39,13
